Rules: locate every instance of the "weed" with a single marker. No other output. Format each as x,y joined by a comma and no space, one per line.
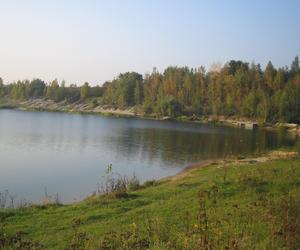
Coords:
133,184
79,239
149,183
289,221
117,186
19,240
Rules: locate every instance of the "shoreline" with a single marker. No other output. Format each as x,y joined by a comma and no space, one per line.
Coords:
46,105
244,188
223,162
188,171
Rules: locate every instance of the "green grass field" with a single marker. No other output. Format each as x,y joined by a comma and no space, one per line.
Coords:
232,206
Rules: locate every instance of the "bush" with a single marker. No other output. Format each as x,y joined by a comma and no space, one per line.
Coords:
170,107
94,102
133,184
116,186
150,183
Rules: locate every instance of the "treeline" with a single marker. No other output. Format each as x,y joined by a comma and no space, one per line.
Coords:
236,89
22,90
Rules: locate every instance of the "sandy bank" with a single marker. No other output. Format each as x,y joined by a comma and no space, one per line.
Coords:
43,104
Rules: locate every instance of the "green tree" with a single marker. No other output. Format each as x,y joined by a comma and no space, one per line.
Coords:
236,89
121,91
263,107
18,91
152,84
289,106
279,80
36,88
249,107
138,93
269,75
2,91
295,67
84,91
170,107
52,90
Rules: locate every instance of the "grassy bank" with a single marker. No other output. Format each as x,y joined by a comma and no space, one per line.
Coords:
239,205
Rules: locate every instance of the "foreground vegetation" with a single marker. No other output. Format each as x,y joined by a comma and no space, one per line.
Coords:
225,205
236,89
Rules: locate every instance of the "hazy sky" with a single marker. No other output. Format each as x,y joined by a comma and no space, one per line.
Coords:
94,41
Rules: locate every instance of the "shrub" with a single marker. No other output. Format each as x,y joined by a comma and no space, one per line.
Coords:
133,184
149,183
115,185
170,107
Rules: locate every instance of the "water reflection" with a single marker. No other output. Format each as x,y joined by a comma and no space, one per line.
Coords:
68,153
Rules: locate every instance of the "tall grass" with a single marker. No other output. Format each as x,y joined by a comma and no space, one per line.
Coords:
253,206
115,185
210,227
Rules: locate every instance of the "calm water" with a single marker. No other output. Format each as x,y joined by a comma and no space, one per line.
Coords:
68,153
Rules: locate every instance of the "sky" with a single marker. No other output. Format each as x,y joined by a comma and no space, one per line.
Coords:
94,41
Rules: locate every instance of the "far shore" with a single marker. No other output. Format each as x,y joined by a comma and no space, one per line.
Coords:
43,104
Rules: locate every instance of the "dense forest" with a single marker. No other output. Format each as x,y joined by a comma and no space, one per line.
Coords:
236,89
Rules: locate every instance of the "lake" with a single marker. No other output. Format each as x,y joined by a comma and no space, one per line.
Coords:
68,153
